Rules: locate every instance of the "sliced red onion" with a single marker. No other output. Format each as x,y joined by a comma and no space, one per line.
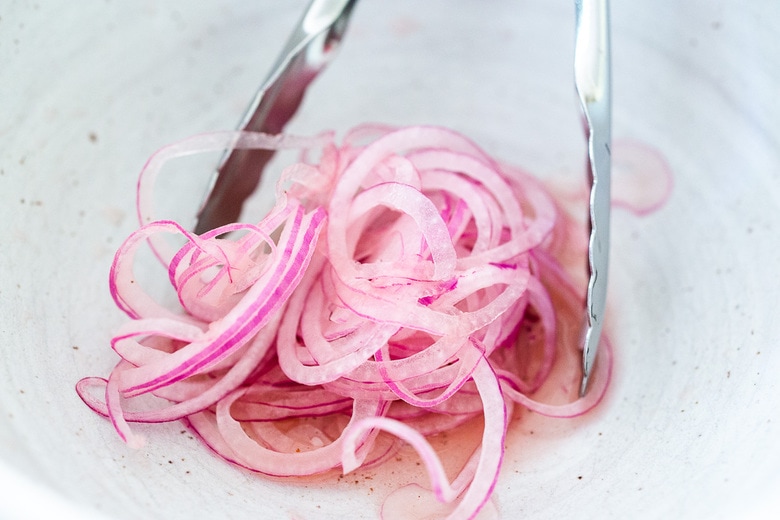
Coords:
432,298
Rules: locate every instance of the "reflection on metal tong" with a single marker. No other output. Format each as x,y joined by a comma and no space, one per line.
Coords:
592,73
309,48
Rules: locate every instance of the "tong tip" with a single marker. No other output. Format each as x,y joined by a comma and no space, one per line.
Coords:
588,358
584,385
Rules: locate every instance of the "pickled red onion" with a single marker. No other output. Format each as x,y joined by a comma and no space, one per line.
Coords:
403,285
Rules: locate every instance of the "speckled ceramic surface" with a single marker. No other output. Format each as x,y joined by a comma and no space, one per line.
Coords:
690,426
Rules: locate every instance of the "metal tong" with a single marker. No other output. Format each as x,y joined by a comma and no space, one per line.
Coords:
593,78
309,49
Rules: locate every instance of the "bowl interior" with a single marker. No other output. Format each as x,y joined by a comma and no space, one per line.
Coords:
689,425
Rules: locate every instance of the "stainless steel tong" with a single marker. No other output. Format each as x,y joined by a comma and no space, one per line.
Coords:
308,50
593,79
311,46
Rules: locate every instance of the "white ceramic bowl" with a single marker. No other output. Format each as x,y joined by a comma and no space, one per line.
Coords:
691,426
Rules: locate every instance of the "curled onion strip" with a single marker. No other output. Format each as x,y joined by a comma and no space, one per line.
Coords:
481,478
